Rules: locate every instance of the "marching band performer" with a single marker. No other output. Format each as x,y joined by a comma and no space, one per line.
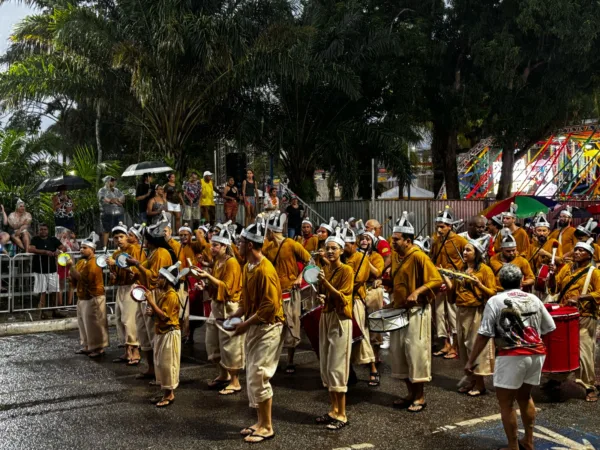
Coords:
362,352
446,252
224,350
542,248
471,296
161,255
324,231
519,234
565,233
163,306
263,325
583,233
91,304
336,285
374,298
578,284
494,225
309,241
125,306
285,254
415,283
508,255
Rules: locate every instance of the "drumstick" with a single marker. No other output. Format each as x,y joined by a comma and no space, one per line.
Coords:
459,254
554,249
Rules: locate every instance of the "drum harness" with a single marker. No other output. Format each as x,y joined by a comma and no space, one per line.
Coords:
422,312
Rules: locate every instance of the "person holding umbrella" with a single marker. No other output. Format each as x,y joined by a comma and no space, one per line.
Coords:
111,206
64,209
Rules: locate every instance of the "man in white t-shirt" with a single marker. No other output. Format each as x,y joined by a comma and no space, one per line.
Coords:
516,320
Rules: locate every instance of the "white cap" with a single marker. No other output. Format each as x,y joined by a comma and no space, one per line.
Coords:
224,237
138,231
276,222
423,243
445,216
512,211
586,245
307,221
403,225
172,274
589,226
481,244
337,238
348,234
185,227
508,241
89,244
207,173
120,228
568,211
255,232
329,226
541,221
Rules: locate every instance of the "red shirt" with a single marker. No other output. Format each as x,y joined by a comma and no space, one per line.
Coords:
383,248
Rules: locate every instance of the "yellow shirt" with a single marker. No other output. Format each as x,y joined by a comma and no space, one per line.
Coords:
148,270
207,194
376,260
566,238
230,273
124,277
342,279
536,260
261,293
168,302
188,251
587,308
286,264
360,266
469,295
496,264
90,283
412,272
449,256
311,244
522,239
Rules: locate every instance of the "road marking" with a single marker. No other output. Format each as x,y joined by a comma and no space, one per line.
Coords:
471,422
552,436
356,447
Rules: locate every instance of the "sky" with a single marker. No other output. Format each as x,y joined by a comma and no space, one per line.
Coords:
10,14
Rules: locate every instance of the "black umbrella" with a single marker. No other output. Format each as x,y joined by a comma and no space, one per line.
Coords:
580,213
63,183
146,167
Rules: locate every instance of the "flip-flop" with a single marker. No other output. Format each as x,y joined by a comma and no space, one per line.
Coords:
402,403
440,353
94,355
324,419
336,425
476,392
416,405
591,396
247,431
451,355
217,385
169,403
262,438
465,390
82,352
230,391
134,362
377,381
290,369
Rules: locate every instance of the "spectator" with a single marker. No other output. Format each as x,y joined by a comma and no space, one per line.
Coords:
64,207
249,194
45,276
4,222
207,198
111,207
232,198
191,193
271,202
4,240
174,199
143,193
157,205
516,320
295,214
19,222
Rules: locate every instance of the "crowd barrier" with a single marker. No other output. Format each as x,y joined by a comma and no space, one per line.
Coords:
17,286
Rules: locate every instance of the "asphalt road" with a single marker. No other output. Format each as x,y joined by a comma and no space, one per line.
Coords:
51,398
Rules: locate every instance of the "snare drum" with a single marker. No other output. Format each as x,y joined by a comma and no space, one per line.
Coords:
310,323
386,320
198,307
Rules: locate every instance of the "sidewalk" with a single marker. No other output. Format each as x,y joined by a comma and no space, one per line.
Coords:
20,323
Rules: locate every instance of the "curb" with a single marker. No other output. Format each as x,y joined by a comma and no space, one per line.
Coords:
44,326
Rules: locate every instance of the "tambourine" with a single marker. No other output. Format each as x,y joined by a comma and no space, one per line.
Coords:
63,259
139,293
101,261
231,323
311,275
121,260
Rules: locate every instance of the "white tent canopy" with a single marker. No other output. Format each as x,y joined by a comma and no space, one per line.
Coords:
415,192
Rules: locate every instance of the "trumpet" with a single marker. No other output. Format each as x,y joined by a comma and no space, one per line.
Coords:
456,274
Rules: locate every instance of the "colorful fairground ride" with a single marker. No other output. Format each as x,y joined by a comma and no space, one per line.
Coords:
564,166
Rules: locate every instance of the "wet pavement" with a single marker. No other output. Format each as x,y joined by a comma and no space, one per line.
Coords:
51,398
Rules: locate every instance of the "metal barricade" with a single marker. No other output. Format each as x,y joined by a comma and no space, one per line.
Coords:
5,283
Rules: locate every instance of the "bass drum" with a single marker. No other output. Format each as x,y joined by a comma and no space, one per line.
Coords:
310,322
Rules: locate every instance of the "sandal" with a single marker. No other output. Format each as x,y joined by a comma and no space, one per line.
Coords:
591,396
247,431
335,425
440,353
164,405
417,407
476,392
465,389
402,403
134,362
82,352
120,359
324,419
217,385
228,391
376,381
94,355
260,437
290,369
451,355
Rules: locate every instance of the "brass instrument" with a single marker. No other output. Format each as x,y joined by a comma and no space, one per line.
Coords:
456,274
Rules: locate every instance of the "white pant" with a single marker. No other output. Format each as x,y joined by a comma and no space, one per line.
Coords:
511,372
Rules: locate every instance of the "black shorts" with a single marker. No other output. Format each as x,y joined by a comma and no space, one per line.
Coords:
109,221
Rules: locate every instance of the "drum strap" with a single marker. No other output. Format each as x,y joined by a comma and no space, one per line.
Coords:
278,250
571,283
358,270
